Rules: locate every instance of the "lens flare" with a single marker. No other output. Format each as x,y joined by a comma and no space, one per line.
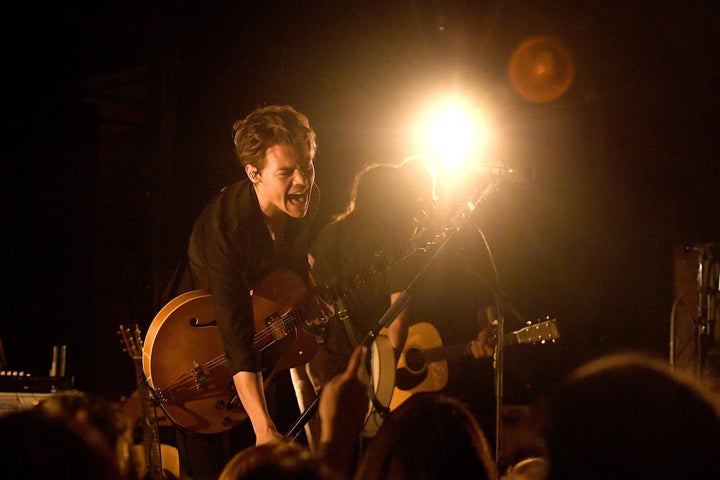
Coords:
540,69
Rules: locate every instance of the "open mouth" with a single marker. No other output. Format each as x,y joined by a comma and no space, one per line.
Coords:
299,199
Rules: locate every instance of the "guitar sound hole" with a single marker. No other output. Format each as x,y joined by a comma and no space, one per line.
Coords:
415,360
195,323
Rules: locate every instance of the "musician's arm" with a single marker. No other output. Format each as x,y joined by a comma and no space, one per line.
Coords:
237,329
250,389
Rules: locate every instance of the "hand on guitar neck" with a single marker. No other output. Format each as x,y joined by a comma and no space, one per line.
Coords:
480,347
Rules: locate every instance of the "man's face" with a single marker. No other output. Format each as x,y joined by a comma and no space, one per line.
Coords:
285,182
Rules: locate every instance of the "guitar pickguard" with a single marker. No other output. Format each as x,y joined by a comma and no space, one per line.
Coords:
407,380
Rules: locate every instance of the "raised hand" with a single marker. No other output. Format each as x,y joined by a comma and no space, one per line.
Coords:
342,409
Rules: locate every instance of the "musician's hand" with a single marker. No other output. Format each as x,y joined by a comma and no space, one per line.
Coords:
267,436
480,347
344,400
344,403
320,305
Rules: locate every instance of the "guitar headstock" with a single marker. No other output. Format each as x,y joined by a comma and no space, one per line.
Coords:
132,341
545,331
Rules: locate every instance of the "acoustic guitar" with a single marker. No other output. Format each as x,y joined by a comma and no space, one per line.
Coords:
423,363
152,453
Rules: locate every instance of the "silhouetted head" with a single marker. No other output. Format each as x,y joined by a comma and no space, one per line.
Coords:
429,436
630,416
276,461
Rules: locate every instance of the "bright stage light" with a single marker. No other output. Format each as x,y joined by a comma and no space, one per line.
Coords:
454,134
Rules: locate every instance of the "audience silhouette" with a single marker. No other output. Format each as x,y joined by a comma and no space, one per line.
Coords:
429,436
41,446
630,416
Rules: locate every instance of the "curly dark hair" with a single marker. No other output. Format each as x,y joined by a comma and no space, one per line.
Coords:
268,126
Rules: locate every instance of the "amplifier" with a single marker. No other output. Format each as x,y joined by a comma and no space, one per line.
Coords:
32,384
14,402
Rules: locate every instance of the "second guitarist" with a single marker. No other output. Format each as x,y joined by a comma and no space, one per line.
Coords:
385,203
250,229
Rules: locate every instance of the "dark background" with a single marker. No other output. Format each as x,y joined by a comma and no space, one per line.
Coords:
118,123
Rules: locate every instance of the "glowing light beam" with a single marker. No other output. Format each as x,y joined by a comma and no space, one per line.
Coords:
453,132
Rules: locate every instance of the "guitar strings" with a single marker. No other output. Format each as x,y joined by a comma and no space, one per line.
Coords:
187,381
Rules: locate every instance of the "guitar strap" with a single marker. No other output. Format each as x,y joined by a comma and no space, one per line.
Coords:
171,290
181,277
345,318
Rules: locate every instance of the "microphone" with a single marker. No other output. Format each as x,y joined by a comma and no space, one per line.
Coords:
511,173
518,174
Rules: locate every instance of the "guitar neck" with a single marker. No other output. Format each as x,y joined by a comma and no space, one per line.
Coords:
383,262
534,333
296,316
150,437
448,352
512,338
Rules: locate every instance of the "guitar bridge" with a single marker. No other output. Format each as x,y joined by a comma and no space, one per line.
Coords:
201,380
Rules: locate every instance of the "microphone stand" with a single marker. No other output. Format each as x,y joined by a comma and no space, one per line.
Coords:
498,364
404,299
708,324
496,317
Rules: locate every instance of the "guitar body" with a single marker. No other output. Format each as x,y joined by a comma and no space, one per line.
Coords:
423,365
170,458
184,361
280,292
184,357
414,373
170,462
